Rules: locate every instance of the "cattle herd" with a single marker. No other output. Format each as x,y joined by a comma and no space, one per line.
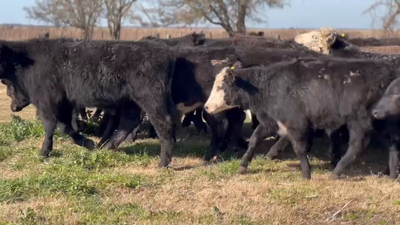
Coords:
318,83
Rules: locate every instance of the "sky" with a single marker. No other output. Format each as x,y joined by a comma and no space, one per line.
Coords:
345,14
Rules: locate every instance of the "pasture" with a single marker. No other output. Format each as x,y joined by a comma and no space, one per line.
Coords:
77,186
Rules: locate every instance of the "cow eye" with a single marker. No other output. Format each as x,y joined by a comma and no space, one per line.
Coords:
314,37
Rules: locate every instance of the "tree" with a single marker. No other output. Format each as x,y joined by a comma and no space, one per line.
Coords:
229,14
116,11
82,14
388,20
152,14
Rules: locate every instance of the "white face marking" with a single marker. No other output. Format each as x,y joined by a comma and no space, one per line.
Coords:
282,129
219,62
216,102
318,41
311,40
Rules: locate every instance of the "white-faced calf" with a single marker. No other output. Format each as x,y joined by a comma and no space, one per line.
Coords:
297,96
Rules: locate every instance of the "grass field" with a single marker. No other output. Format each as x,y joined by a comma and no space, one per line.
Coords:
77,186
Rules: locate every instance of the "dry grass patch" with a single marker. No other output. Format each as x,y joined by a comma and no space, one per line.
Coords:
77,186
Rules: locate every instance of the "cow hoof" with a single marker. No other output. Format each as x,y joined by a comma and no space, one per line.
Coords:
108,146
269,157
89,144
242,170
207,158
164,165
45,154
334,177
307,177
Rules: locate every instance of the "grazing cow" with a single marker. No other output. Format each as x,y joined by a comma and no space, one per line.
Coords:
305,94
93,74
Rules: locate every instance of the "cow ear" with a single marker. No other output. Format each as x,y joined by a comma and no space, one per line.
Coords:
230,76
331,39
237,65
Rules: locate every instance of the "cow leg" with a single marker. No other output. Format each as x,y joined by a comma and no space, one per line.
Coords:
76,137
49,125
130,119
164,117
278,147
198,121
189,117
82,112
356,142
216,127
393,159
300,146
258,136
164,126
74,121
133,135
65,117
111,120
336,151
236,118
103,124
96,115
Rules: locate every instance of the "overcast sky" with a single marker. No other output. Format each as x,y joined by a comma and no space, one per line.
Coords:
301,14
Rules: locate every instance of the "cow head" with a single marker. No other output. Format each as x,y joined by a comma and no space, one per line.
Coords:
319,40
389,104
11,61
226,91
18,100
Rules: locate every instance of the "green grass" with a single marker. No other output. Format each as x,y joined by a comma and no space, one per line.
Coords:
77,186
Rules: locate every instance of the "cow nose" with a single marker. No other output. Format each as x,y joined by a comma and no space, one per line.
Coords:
376,114
206,108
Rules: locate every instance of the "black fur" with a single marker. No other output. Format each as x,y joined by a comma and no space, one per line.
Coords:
306,94
58,76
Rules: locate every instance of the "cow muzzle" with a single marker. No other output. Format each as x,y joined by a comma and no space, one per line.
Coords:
215,108
378,114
